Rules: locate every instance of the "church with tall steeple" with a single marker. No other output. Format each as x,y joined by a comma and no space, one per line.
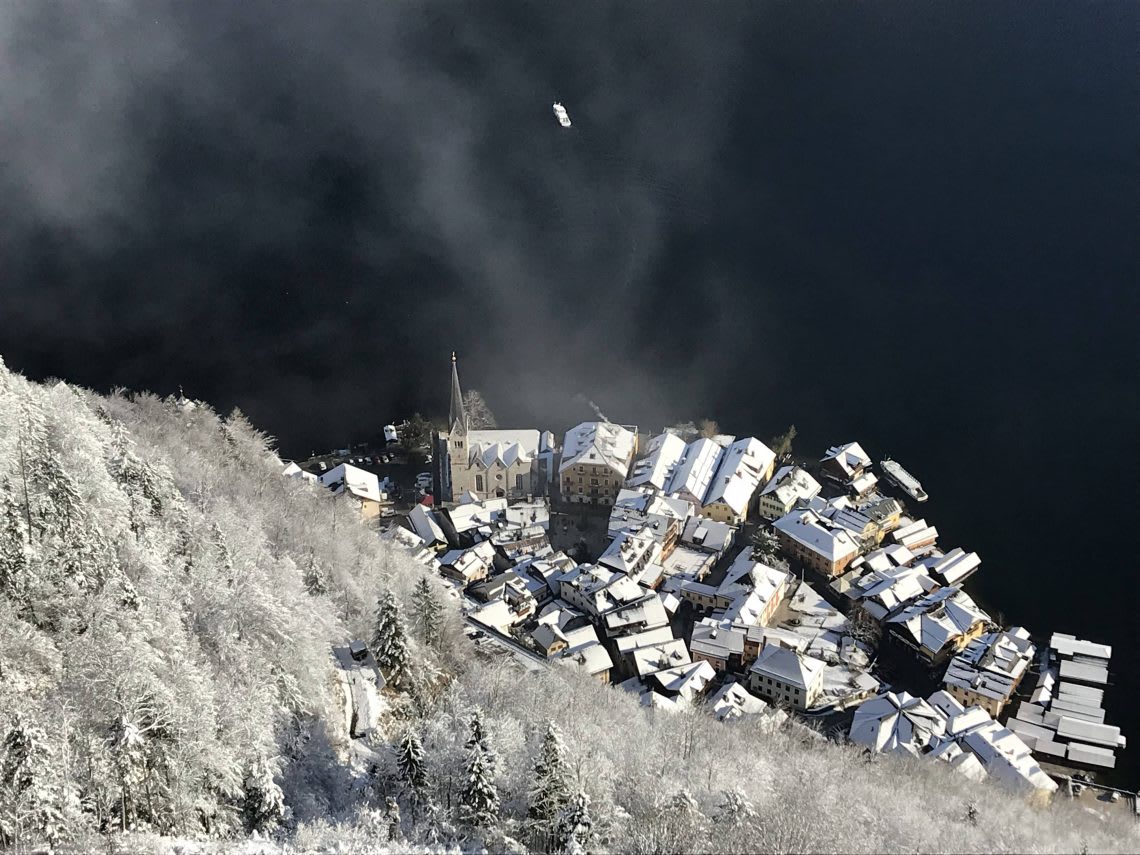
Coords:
488,464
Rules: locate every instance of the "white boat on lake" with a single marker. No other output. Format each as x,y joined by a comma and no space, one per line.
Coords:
903,479
563,116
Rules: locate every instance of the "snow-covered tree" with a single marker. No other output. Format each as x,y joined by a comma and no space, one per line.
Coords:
13,544
550,791
390,640
479,415
765,546
263,804
410,760
427,613
478,797
31,795
574,825
735,809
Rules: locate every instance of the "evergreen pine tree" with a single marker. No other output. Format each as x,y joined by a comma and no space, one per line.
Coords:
551,790
263,804
390,640
735,810
478,798
31,799
13,544
574,825
410,760
428,614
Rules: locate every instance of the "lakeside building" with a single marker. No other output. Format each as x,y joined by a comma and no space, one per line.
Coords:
789,485
489,463
940,727
744,466
937,625
694,472
989,670
845,464
596,457
663,452
1064,719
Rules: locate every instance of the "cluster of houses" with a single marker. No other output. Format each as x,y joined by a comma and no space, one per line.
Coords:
677,609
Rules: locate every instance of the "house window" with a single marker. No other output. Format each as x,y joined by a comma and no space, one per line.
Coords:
479,483
520,484
459,444
499,477
594,482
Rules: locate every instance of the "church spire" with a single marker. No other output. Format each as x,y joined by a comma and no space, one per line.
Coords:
457,412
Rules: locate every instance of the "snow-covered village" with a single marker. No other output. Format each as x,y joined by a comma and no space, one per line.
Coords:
701,571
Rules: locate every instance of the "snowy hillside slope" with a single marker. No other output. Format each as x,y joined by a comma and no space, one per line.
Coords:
168,604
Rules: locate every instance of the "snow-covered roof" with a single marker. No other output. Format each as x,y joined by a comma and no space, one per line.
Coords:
954,567
424,524
864,483
694,472
732,700
711,639
598,443
788,666
629,551
992,664
528,440
648,638
647,613
472,562
362,484
742,466
1067,645
654,470
935,619
848,457
915,535
899,723
709,535
485,456
647,660
791,483
687,680
815,532
882,592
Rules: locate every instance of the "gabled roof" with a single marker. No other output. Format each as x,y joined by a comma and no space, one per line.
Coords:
686,680
663,453
598,443
742,466
848,457
791,483
937,618
362,484
732,700
424,524
694,472
816,533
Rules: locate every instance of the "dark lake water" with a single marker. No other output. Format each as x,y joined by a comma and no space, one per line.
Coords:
914,226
